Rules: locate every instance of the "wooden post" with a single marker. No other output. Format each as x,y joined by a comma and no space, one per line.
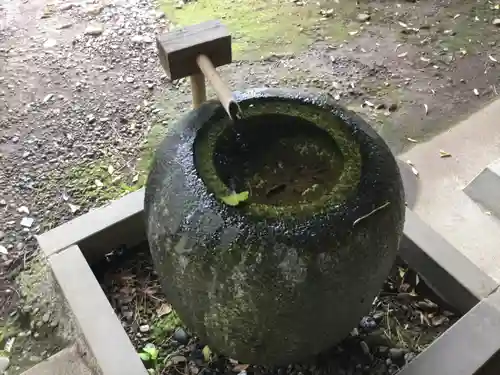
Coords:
198,89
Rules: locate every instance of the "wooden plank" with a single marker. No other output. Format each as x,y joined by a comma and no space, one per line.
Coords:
179,48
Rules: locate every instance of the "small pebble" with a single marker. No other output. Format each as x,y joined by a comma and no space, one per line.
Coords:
393,107
368,323
496,22
144,328
4,364
363,17
66,6
23,210
46,317
181,336
50,43
27,222
396,353
94,29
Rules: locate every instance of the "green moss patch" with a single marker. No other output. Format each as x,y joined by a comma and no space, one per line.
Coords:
261,27
100,181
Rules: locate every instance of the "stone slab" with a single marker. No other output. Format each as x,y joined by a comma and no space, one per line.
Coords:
464,348
67,362
102,331
492,367
473,144
485,188
445,269
115,224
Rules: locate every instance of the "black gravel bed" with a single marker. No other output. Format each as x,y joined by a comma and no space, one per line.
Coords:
405,318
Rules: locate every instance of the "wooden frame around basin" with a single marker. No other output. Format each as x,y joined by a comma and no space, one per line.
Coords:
71,247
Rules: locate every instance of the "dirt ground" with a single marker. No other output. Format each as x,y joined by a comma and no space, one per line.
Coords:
83,100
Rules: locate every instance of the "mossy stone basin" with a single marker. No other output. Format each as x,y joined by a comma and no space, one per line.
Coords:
289,271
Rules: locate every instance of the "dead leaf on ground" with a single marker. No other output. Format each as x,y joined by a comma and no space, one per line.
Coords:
444,154
438,320
163,310
413,169
240,367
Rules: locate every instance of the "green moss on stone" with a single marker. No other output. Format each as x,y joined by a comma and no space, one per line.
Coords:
349,177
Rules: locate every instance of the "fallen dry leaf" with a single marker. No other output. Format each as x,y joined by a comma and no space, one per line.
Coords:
163,310
413,169
444,154
3,250
492,59
240,367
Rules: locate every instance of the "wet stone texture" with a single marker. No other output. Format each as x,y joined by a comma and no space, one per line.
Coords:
284,265
403,320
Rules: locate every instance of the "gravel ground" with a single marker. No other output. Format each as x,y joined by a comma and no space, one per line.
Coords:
405,318
72,99
83,98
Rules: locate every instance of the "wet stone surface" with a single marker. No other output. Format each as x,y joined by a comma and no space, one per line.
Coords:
405,318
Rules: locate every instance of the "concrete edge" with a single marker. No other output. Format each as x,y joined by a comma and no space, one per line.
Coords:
450,273
115,224
465,347
67,361
99,324
411,183
485,188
